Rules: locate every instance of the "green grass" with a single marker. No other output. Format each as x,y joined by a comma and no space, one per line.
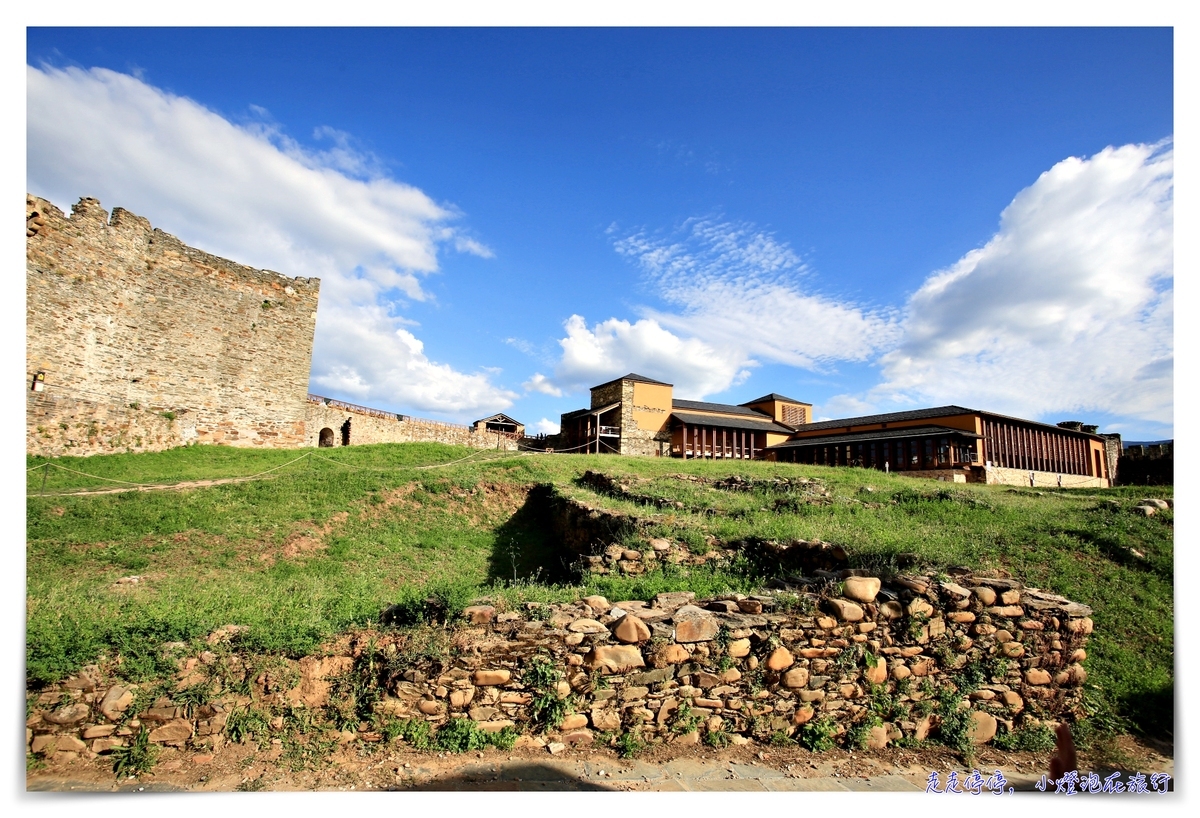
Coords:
320,547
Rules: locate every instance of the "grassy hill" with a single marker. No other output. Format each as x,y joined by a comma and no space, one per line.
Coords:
328,541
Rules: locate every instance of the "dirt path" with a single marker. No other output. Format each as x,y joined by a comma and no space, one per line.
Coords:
750,768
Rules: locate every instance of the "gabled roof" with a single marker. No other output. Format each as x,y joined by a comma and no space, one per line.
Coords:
904,432
500,417
633,376
727,408
759,424
776,397
581,412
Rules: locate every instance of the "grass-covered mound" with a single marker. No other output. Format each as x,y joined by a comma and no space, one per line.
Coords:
332,540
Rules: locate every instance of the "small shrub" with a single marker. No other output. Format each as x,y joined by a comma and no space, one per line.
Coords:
857,734
685,720
505,738
716,738
781,739
417,733
546,710
1037,739
817,736
135,758
630,743
168,415
193,697
460,736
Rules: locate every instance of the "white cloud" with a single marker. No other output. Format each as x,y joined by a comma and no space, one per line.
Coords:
1068,308
739,300
739,288
250,193
614,347
540,383
546,426
844,406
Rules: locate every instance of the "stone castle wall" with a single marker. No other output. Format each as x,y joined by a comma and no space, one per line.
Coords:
129,324
374,427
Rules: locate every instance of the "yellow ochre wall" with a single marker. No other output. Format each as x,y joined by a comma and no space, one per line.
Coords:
651,406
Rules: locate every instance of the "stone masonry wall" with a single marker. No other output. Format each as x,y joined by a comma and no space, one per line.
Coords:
898,659
122,316
62,425
369,428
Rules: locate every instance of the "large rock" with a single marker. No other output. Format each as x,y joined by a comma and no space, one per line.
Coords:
491,678
796,677
587,626
116,701
670,654
780,659
919,607
876,675
983,727
631,630
479,614
739,648
70,714
172,731
985,595
861,589
693,624
606,719
614,658
1037,676
845,610
573,722
597,603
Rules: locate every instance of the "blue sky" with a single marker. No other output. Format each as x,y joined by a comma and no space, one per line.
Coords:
865,219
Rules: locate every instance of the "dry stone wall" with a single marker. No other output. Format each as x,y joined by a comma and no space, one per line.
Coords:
884,661
121,316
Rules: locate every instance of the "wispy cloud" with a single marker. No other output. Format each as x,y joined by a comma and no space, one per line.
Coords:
737,286
740,298
251,193
1068,307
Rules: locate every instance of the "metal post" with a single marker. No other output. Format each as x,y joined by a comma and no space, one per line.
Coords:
45,472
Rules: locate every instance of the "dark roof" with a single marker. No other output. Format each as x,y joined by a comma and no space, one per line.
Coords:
501,418
774,396
915,414
924,414
880,434
632,376
760,424
727,408
581,412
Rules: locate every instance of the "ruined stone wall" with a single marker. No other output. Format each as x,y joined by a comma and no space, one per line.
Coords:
121,316
370,428
882,661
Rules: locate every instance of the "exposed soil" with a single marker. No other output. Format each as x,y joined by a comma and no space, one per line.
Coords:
389,767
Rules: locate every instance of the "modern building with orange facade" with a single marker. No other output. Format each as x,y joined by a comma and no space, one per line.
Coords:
635,415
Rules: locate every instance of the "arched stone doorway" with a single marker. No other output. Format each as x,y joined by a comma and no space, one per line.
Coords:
326,440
